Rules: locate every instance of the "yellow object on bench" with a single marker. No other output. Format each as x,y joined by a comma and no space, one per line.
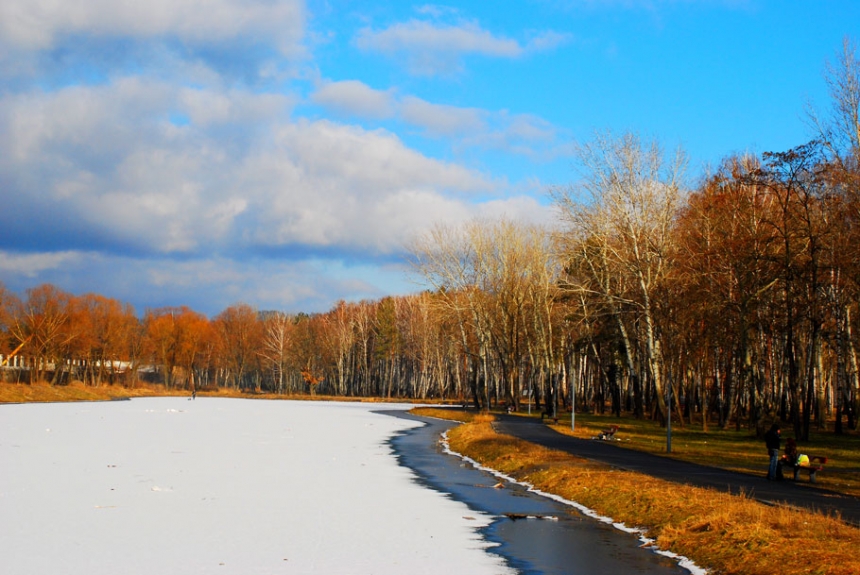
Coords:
811,465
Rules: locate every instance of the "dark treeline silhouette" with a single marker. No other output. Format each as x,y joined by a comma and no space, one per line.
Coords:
730,302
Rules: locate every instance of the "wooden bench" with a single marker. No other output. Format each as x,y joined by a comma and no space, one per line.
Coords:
816,464
548,415
607,434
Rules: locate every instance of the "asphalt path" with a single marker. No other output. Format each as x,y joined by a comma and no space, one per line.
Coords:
800,494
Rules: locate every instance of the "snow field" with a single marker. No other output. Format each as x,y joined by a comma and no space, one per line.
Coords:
167,485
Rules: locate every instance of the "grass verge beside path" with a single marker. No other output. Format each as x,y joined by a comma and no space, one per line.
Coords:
724,533
736,450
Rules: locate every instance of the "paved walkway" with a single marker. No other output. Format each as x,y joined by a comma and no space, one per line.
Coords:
798,494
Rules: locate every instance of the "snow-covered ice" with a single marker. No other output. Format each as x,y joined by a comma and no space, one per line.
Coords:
167,485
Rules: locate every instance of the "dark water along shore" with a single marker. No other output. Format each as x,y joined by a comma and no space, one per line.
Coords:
534,534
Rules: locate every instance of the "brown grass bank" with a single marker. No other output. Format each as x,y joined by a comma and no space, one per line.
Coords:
726,534
42,392
734,449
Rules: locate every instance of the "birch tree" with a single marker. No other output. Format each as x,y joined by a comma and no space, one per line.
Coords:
277,337
625,203
838,128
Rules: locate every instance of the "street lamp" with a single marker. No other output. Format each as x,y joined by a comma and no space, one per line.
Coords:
669,419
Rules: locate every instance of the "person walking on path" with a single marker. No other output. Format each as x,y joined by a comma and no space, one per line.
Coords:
771,440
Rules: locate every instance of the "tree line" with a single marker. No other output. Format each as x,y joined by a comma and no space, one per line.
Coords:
732,301
387,348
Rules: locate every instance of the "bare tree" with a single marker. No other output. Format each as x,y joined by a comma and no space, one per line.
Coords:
839,130
41,322
175,338
631,198
445,259
483,272
276,345
239,333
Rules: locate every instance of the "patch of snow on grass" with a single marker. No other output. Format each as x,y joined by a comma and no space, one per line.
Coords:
647,542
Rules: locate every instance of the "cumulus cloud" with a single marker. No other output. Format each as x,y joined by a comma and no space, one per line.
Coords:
521,134
40,24
525,135
351,97
548,40
440,119
417,35
133,164
201,41
328,185
111,171
519,208
431,47
208,285
30,266
108,168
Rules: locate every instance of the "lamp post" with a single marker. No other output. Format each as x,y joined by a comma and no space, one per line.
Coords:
669,420
531,383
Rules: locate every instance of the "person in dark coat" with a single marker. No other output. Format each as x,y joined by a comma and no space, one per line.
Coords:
771,441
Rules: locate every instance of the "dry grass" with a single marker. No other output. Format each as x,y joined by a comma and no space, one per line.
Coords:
727,534
42,392
451,414
729,448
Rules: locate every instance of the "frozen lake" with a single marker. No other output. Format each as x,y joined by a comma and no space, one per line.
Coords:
167,485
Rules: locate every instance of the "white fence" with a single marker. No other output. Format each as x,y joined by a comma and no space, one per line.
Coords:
26,363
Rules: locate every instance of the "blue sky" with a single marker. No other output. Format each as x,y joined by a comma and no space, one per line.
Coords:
284,153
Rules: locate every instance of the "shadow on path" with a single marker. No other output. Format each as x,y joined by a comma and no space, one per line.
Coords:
758,488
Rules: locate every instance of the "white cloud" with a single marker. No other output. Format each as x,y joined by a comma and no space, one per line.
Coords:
433,48
430,48
436,10
420,35
113,173
39,24
265,283
351,97
518,134
179,186
440,119
326,184
31,265
548,40
109,167
521,208
524,135
521,134
208,284
206,107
